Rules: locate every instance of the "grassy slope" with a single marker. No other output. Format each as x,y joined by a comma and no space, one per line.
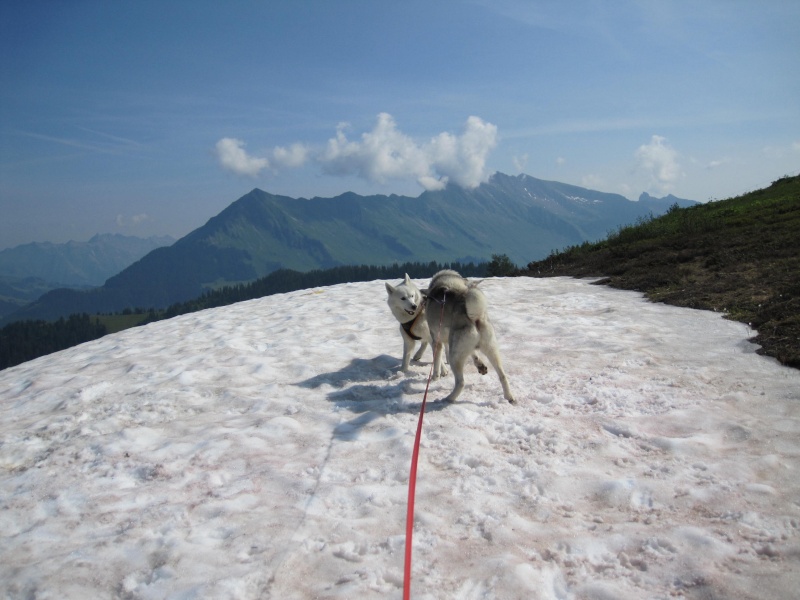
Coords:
120,322
739,256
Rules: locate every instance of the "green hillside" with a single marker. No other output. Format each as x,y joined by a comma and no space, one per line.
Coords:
739,256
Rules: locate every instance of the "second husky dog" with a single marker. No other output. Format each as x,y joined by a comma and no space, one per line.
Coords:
408,307
457,319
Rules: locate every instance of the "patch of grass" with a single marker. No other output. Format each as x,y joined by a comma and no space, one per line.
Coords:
118,322
739,256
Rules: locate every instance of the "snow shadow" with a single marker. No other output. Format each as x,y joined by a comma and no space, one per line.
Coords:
359,369
369,388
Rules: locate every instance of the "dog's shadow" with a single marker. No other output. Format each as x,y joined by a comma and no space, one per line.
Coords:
358,391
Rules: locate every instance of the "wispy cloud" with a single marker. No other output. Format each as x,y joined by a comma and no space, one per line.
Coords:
107,144
132,221
715,164
573,126
520,162
782,150
380,154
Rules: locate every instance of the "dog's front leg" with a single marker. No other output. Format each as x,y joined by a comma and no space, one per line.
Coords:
423,346
408,348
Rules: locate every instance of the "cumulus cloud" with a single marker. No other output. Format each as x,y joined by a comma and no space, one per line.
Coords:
294,156
462,159
660,160
387,153
233,157
382,154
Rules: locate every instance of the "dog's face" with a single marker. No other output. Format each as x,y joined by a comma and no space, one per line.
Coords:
404,299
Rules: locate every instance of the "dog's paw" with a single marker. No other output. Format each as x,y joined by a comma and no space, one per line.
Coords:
511,399
482,368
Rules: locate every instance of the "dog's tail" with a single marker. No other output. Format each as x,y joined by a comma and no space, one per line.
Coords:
438,294
476,305
474,301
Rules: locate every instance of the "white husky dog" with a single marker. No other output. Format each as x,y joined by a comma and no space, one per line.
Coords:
457,318
408,307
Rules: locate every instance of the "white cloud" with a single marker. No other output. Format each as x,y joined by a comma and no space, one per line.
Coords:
294,156
661,161
387,153
232,156
382,154
463,158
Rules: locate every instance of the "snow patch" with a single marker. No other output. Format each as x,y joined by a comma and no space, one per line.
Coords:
262,450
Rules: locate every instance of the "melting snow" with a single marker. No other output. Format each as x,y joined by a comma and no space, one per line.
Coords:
262,450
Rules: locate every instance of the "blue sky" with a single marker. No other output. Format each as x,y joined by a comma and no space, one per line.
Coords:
149,118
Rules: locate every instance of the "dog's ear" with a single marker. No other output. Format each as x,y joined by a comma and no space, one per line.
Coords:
407,279
389,288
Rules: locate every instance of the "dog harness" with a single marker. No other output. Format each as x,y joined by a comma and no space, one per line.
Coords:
409,325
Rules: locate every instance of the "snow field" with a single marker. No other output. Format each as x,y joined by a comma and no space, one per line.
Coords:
262,450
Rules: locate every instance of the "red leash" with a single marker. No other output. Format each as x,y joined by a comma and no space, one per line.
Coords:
412,487
412,482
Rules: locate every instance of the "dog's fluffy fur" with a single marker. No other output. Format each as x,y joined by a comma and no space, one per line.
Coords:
408,307
457,318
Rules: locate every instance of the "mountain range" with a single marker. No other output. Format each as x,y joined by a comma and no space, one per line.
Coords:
29,270
78,263
520,216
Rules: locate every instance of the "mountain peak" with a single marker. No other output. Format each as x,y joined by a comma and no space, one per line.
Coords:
521,216
668,200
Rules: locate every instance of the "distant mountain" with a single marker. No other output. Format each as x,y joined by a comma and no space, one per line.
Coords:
30,270
520,216
16,292
77,263
663,204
